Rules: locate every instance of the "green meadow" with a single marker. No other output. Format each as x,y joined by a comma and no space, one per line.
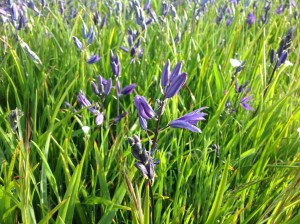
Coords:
60,165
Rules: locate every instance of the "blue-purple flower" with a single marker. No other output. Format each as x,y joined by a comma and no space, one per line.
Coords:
128,89
103,86
77,43
145,163
115,64
84,102
279,10
119,117
145,112
251,18
93,59
190,120
245,104
172,81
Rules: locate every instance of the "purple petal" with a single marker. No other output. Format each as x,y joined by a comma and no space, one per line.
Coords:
143,123
93,59
128,89
282,58
247,106
184,125
166,74
141,167
99,119
176,71
118,88
175,85
77,43
124,49
107,87
118,118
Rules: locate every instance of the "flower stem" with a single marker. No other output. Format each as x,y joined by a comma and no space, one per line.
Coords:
154,141
152,203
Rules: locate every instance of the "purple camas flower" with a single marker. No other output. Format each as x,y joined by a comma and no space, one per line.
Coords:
145,112
128,89
251,18
103,21
84,102
115,64
104,85
282,59
229,21
245,104
118,118
145,163
70,106
172,81
279,10
86,34
93,59
77,43
91,37
190,120
14,12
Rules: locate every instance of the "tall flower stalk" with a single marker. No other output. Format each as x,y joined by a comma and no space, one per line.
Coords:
171,83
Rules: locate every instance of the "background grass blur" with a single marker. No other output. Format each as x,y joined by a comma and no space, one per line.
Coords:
51,172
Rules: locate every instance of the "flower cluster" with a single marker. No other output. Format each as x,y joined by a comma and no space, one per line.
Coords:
282,52
171,82
145,163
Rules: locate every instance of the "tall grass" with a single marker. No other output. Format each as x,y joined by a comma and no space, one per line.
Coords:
53,172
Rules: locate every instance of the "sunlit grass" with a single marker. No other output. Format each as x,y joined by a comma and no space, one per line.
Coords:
53,172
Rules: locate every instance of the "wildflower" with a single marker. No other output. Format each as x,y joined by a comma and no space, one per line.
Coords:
31,54
96,18
145,112
93,59
119,117
86,34
279,10
85,129
283,49
229,21
298,129
77,43
83,101
190,120
103,21
115,64
91,37
103,86
245,104
14,12
272,56
145,163
172,81
250,18
241,88
70,106
282,59
134,44
128,89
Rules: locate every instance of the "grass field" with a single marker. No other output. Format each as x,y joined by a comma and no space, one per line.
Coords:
96,102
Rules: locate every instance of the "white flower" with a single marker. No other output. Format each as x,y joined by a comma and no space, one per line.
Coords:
298,129
235,62
85,129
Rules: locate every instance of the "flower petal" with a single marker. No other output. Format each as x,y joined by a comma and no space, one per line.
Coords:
184,125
